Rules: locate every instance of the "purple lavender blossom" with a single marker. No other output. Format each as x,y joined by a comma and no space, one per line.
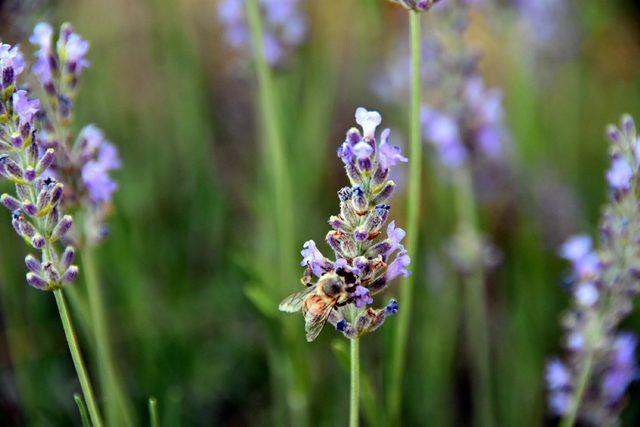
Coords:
604,284
619,175
623,367
285,27
95,173
11,64
365,263
25,108
361,297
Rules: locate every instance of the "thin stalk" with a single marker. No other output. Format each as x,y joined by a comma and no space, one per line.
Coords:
153,412
84,416
297,398
81,371
475,304
570,417
398,352
116,405
354,407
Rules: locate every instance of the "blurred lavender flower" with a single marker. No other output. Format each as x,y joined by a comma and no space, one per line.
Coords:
364,263
417,5
285,27
601,361
35,207
84,163
549,27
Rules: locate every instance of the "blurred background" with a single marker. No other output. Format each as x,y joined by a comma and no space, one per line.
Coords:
188,264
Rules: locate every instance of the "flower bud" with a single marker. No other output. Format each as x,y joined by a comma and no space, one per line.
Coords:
339,224
359,200
9,202
628,125
46,161
36,281
380,176
50,273
385,193
33,264
62,228
13,170
37,241
71,274
30,208
68,256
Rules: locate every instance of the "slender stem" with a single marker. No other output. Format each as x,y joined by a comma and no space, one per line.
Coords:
354,407
85,382
84,417
153,412
117,408
398,351
473,284
297,398
570,417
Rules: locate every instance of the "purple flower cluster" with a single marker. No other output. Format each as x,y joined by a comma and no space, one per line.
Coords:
417,5
364,262
35,208
85,162
285,27
603,284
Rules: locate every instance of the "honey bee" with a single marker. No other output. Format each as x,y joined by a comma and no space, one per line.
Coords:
317,301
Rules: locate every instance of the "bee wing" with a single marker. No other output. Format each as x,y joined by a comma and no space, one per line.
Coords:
314,322
293,302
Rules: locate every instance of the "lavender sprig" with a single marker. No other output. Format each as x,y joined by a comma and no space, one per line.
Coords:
36,207
37,216
364,262
590,384
84,162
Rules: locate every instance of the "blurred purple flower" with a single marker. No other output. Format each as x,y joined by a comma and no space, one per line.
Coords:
390,154
25,108
619,176
285,27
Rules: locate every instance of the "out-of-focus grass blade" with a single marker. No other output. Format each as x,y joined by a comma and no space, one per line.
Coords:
83,410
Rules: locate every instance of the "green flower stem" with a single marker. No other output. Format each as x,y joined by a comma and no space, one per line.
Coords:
153,412
475,304
398,352
85,382
116,404
354,407
570,417
297,392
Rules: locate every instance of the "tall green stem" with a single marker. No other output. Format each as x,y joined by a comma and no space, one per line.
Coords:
473,283
354,407
398,352
570,417
297,399
85,382
116,405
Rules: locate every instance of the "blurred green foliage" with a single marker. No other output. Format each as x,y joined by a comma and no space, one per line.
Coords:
190,229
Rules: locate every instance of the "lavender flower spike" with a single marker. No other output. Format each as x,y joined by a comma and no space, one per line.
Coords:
364,263
590,384
417,5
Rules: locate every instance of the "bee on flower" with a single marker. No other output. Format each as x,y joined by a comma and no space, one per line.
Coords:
366,260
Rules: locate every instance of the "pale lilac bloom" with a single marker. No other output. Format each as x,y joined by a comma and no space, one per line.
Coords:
398,267
558,375
362,150
443,132
623,368
620,174
100,157
313,258
76,48
11,64
25,107
361,297
389,155
43,38
395,235
586,294
576,247
368,121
